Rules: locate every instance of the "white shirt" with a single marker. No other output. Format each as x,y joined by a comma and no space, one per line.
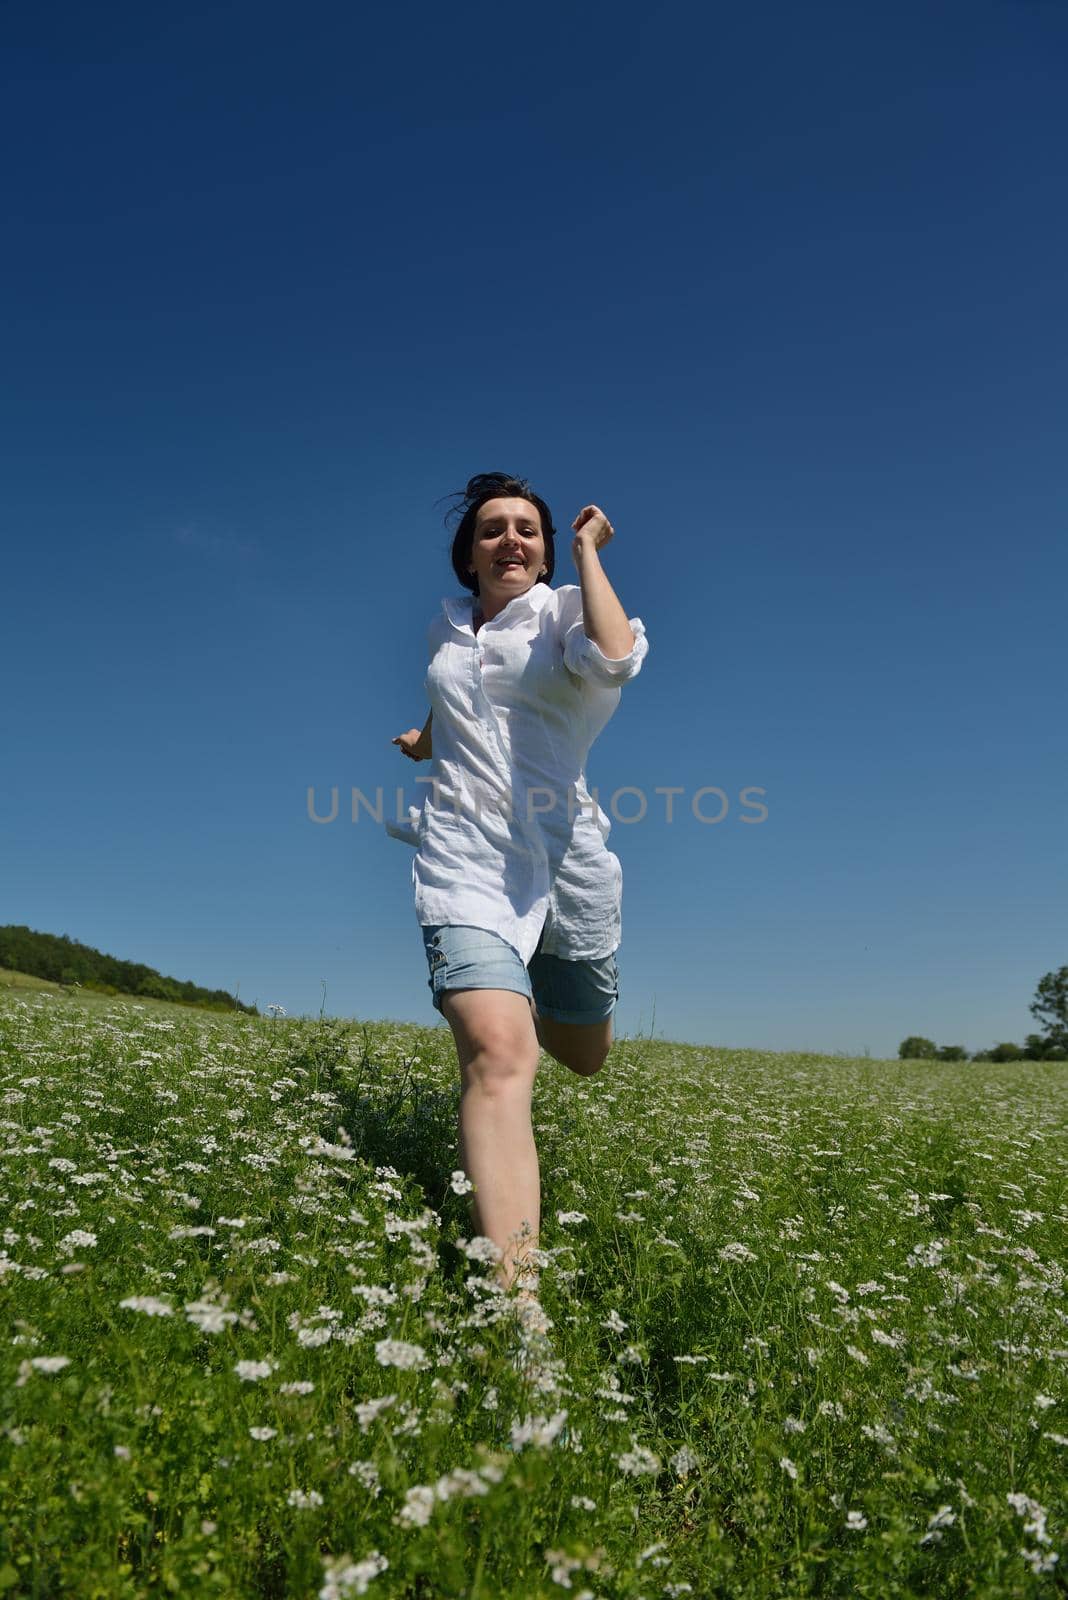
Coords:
516,708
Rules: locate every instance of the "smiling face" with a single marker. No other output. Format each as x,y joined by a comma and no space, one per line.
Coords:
507,551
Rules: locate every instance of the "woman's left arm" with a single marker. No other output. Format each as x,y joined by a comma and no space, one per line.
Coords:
603,617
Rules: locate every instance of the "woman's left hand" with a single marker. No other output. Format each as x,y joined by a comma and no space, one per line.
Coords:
592,531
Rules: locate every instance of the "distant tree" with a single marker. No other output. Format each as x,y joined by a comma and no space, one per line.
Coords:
952,1052
61,959
1050,1006
915,1048
154,987
1007,1052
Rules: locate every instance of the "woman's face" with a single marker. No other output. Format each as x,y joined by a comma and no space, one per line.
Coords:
507,550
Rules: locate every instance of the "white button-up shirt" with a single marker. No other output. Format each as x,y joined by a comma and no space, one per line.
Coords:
508,836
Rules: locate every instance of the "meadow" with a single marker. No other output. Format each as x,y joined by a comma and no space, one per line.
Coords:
808,1331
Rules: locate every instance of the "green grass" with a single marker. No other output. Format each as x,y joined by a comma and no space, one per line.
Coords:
80,994
25,980
809,1323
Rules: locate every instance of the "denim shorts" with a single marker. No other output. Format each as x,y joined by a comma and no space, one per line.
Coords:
462,957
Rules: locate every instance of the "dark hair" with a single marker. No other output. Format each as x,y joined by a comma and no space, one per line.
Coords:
494,486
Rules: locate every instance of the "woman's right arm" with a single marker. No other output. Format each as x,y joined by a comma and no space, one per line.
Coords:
417,744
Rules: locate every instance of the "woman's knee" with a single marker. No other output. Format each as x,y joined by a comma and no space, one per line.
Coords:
495,1039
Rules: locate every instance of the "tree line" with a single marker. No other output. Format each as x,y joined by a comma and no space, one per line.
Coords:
1049,1007
63,960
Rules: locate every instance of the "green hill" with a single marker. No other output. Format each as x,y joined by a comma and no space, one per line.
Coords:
775,1346
56,958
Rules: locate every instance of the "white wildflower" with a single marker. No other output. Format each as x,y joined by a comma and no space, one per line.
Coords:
638,1460
480,1248
418,1507
1040,1561
208,1316
562,1566
1024,1506
368,1475
396,1353
304,1499
539,1431
312,1338
77,1240
318,1146
649,1552
683,1461
148,1304
368,1410
944,1517
375,1294
926,1255
249,1371
461,1481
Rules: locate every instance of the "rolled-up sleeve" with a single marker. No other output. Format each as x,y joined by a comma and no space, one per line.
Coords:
586,659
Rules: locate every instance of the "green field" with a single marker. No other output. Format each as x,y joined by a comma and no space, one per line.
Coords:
809,1335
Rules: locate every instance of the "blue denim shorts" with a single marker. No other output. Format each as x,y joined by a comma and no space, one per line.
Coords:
462,957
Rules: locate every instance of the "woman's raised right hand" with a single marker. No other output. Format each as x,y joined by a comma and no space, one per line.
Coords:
413,745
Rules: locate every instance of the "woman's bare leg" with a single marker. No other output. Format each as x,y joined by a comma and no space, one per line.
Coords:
497,1049
580,1046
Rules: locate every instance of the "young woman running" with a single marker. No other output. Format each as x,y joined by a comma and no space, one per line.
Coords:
516,892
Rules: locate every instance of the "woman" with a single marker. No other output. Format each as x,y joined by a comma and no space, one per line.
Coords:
516,892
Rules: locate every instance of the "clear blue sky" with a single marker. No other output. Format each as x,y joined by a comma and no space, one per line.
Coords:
781,288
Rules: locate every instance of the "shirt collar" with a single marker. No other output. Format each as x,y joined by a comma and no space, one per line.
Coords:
460,608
